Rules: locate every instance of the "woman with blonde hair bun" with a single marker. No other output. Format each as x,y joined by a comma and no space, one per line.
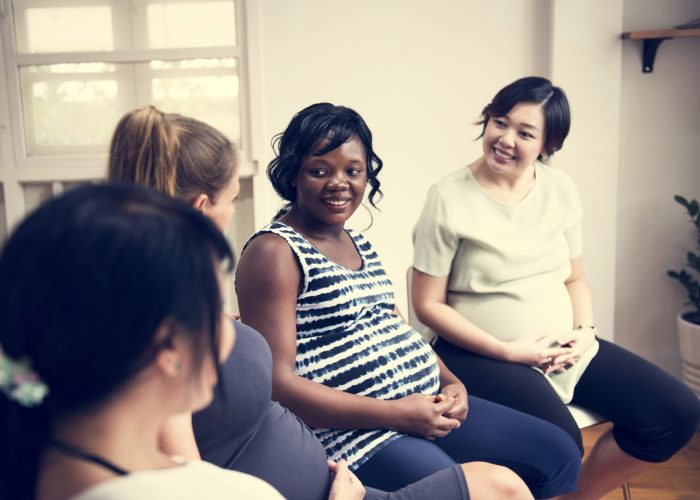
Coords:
179,156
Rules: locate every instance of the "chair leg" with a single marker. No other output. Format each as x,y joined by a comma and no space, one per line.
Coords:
626,493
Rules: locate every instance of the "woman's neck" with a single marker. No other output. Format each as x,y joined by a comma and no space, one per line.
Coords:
507,189
123,431
117,431
311,228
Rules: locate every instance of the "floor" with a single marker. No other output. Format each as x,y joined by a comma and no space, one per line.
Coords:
677,479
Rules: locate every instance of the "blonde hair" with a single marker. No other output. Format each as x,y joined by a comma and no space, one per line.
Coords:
174,154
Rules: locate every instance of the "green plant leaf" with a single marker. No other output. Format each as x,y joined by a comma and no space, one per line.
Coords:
681,200
693,208
694,261
688,279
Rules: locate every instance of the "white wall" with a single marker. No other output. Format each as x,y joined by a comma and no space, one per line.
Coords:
659,157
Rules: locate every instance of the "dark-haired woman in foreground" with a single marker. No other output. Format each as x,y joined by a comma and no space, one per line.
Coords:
112,324
498,275
243,429
343,358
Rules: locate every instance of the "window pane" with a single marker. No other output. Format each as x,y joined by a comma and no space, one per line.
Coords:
93,25
206,89
81,28
178,24
73,108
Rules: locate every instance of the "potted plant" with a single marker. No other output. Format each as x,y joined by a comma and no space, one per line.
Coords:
689,322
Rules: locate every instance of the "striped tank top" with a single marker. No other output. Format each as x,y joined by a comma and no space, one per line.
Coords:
349,338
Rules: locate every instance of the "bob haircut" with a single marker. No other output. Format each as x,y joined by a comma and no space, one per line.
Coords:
304,136
87,280
536,90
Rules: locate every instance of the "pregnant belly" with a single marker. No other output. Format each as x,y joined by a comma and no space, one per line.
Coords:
508,317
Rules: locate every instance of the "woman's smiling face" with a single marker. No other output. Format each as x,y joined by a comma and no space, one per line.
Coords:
514,141
330,187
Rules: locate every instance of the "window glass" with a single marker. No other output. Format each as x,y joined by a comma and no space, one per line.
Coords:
72,108
206,89
92,97
81,28
190,24
105,25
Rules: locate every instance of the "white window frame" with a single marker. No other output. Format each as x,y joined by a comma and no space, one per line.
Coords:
18,169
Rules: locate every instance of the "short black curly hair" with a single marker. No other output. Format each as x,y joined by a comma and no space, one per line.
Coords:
303,136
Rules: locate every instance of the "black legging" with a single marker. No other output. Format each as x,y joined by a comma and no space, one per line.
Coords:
653,414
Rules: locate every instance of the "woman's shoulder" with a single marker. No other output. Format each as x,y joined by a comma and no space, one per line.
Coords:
269,262
455,192
557,186
190,480
270,242
454,187
555,176
456,179
275,232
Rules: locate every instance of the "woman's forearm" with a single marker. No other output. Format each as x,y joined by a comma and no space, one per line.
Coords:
429,301
458,330
321,406
580,295
581,302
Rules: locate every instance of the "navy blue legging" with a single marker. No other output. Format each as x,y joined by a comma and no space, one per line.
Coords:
653,414
544,456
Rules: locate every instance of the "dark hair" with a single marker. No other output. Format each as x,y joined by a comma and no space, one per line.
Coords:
87,280
175,154
537,90
304,135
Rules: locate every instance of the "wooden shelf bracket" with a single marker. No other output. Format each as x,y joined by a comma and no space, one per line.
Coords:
651,45
652,40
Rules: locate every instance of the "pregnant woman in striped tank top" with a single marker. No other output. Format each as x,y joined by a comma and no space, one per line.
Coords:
343,358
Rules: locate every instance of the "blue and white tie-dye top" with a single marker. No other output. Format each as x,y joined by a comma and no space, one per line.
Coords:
349,338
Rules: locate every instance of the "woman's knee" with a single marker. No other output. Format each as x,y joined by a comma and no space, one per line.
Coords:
487,481
666,430
685,414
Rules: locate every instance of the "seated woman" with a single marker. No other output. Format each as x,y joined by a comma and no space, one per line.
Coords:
112,323
343,358
498,275
243,429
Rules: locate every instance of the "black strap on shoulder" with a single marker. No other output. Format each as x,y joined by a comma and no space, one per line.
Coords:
82,454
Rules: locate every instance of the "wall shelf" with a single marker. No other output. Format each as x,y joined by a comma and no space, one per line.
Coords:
653,38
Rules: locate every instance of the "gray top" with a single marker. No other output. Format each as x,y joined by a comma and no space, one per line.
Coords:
244,430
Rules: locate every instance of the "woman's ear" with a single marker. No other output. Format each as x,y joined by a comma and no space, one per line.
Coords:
201,203
169,357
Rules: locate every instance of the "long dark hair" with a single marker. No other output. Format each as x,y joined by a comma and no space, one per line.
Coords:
87,280
536,90
302,137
